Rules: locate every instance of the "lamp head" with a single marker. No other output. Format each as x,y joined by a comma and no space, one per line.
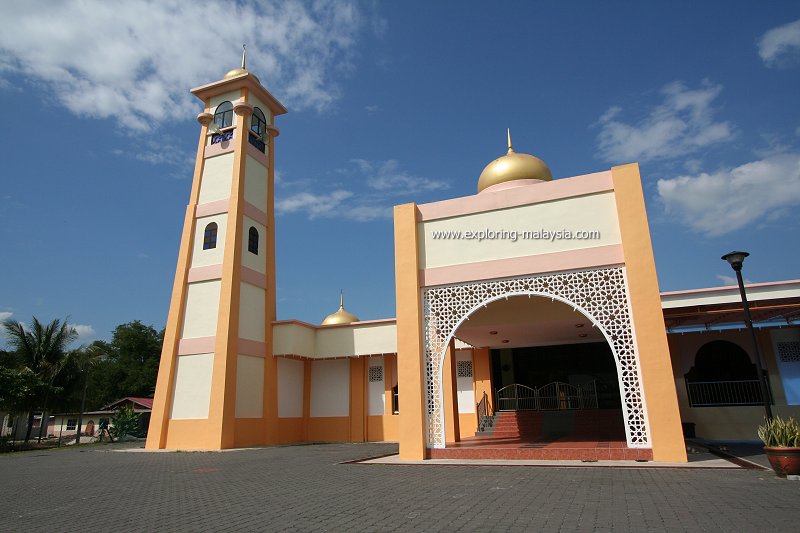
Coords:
735,259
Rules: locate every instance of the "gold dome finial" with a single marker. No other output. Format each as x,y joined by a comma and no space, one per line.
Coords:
239,71
513,167
341,316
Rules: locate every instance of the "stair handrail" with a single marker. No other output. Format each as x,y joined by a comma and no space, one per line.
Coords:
483,409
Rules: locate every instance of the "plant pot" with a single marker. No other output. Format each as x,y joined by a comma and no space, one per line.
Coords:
784,461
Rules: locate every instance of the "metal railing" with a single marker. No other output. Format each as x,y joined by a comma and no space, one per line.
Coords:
484,412
553,396
720,393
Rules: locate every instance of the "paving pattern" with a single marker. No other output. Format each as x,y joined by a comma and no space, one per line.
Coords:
306,488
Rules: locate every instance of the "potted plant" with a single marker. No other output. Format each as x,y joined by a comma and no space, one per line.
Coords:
781,440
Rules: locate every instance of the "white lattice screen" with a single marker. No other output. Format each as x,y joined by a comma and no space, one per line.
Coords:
601,295
789,352
375,373
464,369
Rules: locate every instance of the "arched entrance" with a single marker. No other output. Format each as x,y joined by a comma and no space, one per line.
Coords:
600,295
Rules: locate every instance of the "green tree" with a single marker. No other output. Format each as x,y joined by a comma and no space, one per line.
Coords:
124,422
42,350
131,367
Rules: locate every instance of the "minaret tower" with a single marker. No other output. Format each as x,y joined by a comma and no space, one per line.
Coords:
217,385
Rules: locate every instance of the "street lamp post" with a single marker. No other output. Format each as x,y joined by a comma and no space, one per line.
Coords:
736,259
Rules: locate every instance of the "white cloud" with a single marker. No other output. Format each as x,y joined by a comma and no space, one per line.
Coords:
134,61
778,44
727,200
727,281
681,124
84,331
5,315
384,181
315,205
386,176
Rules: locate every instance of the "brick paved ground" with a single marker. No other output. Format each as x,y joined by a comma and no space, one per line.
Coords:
303,488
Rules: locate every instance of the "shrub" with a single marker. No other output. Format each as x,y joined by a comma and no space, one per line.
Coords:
124,422
779,433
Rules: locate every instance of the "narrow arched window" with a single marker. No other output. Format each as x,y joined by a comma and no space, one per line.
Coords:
223,116
210,236
252,241
258,122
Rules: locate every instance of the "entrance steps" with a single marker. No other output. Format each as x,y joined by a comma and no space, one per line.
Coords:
597,424
587,435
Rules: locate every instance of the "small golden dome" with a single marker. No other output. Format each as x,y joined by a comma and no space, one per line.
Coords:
241,70
238,72
512,167
341,316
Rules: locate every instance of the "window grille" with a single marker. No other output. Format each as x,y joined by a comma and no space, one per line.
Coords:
375,374
223,116
789,352
464,369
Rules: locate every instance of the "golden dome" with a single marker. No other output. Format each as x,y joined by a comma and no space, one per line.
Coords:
238,72
512,167
241,70
341,316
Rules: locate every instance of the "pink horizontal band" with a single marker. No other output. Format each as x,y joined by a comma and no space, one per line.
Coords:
517,266
257,154
254,278
213,150
217,207
255,213
255,348
195,346
524,195
205,273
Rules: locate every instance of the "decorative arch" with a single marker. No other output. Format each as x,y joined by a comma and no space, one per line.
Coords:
601,295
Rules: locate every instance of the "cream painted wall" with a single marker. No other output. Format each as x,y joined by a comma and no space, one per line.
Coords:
466,387
192,386
231,96
216,181
330,388
255,184
202,306
252,319
356,340
293,339
249,259
583,213
376,390
290,388
212,256
249,386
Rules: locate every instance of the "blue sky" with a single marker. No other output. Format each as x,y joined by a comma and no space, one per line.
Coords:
389,103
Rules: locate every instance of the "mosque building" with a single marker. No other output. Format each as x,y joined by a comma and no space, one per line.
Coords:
506,343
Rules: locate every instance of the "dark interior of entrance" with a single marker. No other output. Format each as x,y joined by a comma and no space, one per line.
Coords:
576,364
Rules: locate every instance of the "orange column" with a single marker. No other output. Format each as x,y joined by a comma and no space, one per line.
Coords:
481,372
306,396
450,391
666,435
222,409
410,366
357,394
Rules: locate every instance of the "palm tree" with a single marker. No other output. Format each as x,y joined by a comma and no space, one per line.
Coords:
42,349
84,359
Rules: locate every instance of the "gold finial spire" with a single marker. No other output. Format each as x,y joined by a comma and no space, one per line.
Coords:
341,298
244,55
510,148
341,316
